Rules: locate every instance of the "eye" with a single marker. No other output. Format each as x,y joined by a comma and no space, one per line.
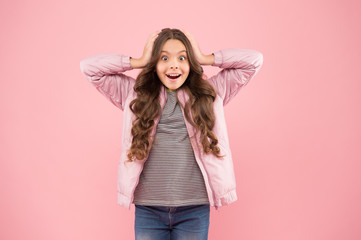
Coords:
164,58
182,58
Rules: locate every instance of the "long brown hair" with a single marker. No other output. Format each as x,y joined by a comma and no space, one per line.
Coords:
146,106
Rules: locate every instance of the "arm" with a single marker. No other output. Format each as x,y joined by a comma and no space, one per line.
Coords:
105,72
239,67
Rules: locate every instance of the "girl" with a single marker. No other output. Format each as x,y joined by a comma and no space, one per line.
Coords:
175,159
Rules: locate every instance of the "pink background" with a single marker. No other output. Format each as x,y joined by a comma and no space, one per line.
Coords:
294,130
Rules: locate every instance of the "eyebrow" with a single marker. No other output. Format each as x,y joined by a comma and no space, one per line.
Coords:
178,52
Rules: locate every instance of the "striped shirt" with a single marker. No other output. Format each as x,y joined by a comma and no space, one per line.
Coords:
171,175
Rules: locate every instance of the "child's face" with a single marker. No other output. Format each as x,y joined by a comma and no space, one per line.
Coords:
173,66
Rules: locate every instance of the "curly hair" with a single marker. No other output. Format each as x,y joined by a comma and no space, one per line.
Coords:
146,106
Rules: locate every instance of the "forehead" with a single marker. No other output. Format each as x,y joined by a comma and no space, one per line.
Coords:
173,46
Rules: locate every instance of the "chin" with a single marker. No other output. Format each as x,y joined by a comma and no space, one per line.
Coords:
173,86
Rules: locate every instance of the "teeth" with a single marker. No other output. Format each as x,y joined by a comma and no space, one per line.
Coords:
173,75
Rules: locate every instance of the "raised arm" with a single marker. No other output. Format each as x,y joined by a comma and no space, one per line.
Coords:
105,72
239,67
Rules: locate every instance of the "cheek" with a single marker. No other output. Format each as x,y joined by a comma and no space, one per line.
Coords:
158,71
160,68
186,69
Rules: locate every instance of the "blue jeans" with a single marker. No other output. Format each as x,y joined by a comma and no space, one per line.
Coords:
175,223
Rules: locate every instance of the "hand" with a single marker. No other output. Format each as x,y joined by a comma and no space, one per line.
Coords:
201,58
147,52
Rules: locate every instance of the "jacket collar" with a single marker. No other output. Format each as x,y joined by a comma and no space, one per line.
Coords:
181,94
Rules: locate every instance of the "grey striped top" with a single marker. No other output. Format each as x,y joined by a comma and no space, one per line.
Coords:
171,175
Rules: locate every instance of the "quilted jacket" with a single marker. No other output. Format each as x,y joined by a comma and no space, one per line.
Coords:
106,73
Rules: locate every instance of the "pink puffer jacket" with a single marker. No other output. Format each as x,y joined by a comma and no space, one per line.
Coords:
106,73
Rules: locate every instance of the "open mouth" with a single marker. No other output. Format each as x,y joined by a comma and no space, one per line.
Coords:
173,76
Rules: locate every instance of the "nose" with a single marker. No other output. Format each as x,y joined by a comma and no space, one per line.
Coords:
174,64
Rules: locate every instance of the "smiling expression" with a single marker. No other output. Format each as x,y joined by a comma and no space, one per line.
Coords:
173,66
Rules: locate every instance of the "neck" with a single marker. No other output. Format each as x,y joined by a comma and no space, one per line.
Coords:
170,90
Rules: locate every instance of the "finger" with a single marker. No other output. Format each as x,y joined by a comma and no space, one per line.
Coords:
184,31
156,33
152,38
153,35
188,34
191,38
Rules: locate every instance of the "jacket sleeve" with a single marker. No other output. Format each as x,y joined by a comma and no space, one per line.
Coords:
105,72
239,67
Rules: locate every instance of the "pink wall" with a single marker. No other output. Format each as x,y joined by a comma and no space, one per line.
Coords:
294,130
